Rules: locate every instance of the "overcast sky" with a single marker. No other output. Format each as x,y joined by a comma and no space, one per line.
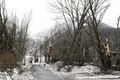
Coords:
43,20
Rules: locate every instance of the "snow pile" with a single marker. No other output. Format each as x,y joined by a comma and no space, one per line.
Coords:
24,76
3,76
76,69
86,69
98,77
51,67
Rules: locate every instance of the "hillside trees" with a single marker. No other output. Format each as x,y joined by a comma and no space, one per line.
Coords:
58,48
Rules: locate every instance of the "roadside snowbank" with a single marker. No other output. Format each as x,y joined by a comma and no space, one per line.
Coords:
24,76
81,72
112,77
76,69
86,69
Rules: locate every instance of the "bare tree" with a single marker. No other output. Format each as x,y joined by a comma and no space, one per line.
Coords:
13,39
95,16
22,37
74,14
34,48
3,30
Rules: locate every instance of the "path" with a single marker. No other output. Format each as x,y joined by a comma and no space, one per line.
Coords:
42,74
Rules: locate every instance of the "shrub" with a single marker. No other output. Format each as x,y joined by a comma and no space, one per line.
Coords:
7,61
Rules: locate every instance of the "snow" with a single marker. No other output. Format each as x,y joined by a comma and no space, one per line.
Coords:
43,71
25,76
81,72
104,76
2,76
85,69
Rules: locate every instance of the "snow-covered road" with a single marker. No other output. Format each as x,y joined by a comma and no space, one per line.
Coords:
43,74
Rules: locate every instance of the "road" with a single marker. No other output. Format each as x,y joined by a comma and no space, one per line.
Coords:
43,74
